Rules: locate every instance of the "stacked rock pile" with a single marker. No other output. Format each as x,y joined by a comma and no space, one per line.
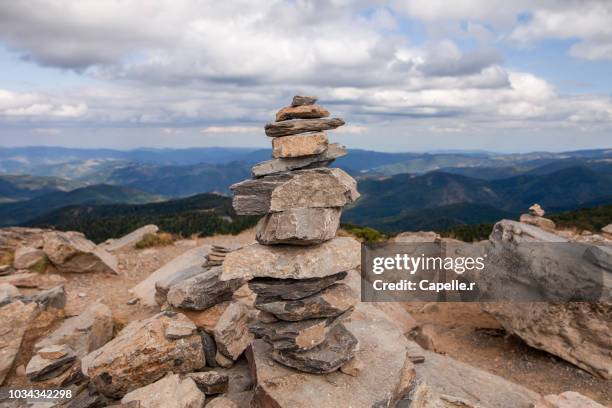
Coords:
216,256
299,263
536,217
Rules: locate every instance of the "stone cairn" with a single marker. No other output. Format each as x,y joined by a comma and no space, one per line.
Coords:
299,262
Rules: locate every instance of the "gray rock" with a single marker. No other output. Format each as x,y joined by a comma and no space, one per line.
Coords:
301,100
269,289
83,333
54,297
538,221
54,352
210,348
172,391
211,382
332,301
306,144
129,240
40,369
337,349
71,252
293,262
231,333
163,286
301,112
275,166
15,319
141,354
302,335
7,293
203,290
222,402
177,329
293,127
29,258
568,399
607,229
314,188
299,226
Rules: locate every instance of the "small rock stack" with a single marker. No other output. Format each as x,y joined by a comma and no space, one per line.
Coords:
216,256
536,217
299,262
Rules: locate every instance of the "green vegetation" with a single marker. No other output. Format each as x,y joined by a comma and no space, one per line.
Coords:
589,219
202,214
155,240
469,233
364,234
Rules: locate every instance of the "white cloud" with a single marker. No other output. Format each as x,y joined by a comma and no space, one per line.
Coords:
231,129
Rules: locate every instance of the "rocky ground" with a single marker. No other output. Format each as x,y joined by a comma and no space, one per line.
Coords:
463,332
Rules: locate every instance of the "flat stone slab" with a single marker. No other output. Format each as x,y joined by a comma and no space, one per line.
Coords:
310,188
203,290
301,100
269,289
275,166
293,127
301,112
129,240
299,226
386,378
331,257
299,145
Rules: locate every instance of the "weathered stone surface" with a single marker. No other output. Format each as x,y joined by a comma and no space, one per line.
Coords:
71,252
177,329
541,222
338,348
293,127
301,112
299,145
54,297
210,348
301,100
302,335
206,319
607,229
231,333
444,382
275,166
223,361
83,333
419,236
40,369
299,226
33,280
332,301
353,367
129,240
163,286
222,402
172,391
194,257
7,293
54,352
142,354
387,378
331,257
270,289
314,188
29,258
203,291
577,332
536,210
211,382
15,318
568,399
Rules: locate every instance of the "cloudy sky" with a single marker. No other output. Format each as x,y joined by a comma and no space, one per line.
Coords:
406,75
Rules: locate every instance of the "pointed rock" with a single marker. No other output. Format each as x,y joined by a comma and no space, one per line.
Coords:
306,144
232,334
299,226
313,188
301,100
332,301
211,382
296,126
269,289
292,262
275,166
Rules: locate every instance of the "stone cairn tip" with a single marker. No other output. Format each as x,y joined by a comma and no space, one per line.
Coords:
301,306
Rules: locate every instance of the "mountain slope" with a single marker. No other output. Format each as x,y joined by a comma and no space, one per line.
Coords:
22,211
16,187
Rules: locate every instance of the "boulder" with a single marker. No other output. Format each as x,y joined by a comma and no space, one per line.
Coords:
141,354
71,252
293,262
163,286
211,382
305,144
293,127
444,382
275,166
568,399
222,402
40,368
607,229
299,226
194,257
15,319
231,332
270,289
203,290
382,349
29,258
332,301
301,100
541,222
172,391
131,239
84,333
313,188
206,319
301,112
301,335
337,349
